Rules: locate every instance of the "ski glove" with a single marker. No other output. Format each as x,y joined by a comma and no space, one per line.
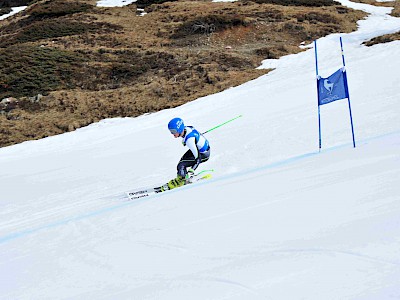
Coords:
198,161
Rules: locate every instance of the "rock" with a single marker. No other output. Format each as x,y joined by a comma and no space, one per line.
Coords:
8,104
36,98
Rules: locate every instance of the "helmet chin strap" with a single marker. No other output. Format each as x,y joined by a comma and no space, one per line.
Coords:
184,133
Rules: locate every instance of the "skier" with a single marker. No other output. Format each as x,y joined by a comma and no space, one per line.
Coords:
199,151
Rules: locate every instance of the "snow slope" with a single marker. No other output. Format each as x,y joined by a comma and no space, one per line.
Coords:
279,220
114,3
14,11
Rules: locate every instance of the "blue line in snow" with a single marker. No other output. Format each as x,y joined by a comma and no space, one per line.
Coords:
27,232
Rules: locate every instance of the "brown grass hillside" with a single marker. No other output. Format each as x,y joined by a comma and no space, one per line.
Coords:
89,63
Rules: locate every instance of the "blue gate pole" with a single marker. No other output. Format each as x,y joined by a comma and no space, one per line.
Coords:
347,92
319,111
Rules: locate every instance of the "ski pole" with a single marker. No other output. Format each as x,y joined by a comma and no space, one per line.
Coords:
222,124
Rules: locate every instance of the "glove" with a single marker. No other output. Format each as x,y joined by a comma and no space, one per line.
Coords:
198,161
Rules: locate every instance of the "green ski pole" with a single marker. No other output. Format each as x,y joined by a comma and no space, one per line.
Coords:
222,124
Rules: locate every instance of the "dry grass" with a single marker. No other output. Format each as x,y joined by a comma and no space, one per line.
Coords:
131,65
387,38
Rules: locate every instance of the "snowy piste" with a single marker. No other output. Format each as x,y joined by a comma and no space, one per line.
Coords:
278,220
114,3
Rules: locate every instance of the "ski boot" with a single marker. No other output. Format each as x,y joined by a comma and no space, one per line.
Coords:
174,183
189,176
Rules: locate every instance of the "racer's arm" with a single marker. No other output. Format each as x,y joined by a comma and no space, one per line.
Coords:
191,143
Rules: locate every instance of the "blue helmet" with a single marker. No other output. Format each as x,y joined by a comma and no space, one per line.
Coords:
176,125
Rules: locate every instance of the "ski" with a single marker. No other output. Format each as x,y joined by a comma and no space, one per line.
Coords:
142,193
146,192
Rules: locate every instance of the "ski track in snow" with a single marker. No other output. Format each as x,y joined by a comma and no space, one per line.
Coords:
36,222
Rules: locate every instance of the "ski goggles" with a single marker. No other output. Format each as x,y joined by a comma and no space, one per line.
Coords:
173,131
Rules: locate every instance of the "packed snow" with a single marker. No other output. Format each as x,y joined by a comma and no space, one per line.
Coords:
14,10
114,3
278,220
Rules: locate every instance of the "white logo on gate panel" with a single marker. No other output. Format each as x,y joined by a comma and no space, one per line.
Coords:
328,86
